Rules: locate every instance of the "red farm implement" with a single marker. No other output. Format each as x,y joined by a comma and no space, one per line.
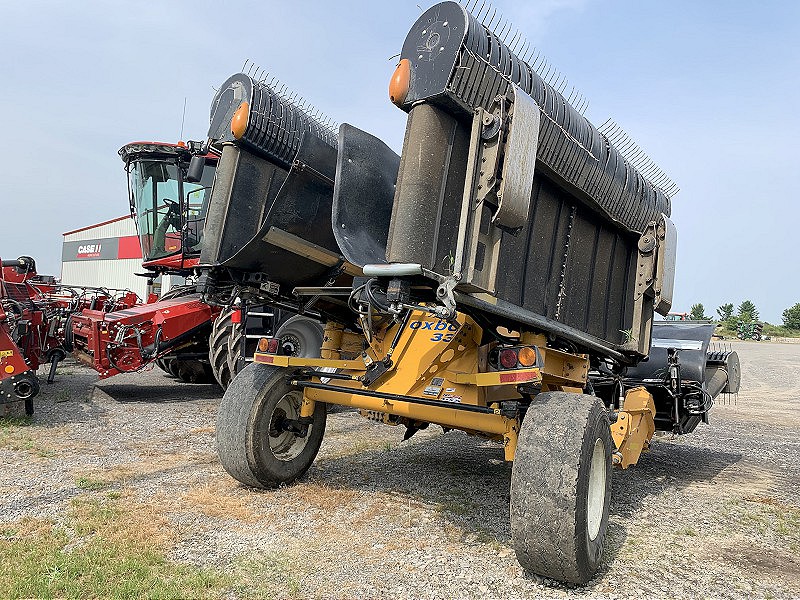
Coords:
30,330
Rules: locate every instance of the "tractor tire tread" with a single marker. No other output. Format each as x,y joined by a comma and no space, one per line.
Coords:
218,347
235,429
544,494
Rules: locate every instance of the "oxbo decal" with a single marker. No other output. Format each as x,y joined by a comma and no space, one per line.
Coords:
442,330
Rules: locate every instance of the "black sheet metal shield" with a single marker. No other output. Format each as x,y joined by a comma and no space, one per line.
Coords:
566,264
267,205
366,174
692,341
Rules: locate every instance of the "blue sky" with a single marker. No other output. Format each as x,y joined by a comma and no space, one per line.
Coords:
709,89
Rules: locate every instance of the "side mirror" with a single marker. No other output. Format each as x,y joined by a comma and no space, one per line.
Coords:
196,166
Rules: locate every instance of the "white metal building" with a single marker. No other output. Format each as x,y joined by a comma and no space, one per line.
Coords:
104,255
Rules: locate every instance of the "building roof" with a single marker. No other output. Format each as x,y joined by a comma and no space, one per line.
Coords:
97,225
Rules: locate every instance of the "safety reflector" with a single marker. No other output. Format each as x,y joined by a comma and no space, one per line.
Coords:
519,376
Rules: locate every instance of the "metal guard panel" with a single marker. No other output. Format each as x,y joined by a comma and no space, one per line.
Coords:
519,168
245,186
366,174
692,339
468,66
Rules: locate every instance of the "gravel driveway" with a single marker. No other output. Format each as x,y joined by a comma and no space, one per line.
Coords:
715,513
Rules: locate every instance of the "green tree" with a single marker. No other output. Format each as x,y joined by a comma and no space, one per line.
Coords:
791,317
698,312
725,311
748,311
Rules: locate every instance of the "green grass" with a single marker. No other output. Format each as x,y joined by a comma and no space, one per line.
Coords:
14,436
778,331
271,576
91,484
768,518
106,548
9,422
110,546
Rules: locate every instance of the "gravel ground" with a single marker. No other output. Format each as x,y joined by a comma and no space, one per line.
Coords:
715,513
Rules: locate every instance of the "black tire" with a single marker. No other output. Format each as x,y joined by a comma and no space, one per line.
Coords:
163,364
234,349
193,371
218,347
558,527
172,367
246,449
301,336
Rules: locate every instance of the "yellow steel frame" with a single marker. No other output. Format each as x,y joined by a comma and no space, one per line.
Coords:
634,427
292,361
434,360
493,425
438,360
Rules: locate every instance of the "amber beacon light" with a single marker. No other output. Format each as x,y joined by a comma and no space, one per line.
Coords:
239,120
401,79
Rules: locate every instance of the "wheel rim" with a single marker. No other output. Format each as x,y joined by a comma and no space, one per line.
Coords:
23,390
597,489
291,345
286,445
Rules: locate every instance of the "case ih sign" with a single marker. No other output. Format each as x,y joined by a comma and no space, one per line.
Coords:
90,250
102,249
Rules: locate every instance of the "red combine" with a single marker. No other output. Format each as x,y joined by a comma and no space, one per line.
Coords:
169,205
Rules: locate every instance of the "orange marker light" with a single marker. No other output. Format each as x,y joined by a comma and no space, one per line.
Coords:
527,357
263,344
400,82
9,369
240,119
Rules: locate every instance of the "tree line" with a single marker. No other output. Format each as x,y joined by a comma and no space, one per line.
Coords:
746,312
